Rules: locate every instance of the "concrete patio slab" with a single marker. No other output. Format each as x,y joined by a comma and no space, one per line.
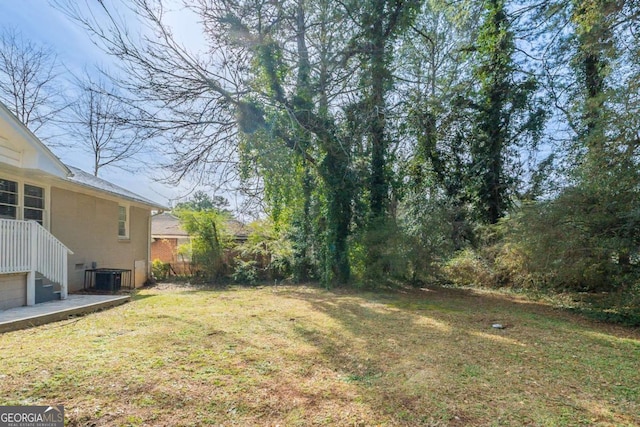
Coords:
53,311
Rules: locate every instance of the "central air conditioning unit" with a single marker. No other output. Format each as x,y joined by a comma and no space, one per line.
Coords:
108,280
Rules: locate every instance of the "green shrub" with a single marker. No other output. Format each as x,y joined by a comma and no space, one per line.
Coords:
245,272
160,270
269,248
468,268
378,255
433,228
621,307
567,245
209,240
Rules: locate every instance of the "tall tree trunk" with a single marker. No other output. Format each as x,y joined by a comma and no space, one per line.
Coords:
303,102
494,72
335,174
594,40
379,82
303,262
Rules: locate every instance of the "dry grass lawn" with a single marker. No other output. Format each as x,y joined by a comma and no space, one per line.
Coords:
292,356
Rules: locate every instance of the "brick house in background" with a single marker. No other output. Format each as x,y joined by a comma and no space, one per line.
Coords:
166,236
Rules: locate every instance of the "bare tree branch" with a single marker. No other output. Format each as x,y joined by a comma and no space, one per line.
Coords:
29,81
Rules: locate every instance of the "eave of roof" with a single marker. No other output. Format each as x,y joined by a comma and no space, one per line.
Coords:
72,174
33,139
84,179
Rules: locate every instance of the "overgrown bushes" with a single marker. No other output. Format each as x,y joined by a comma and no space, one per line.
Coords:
576,243
267,254
584,241
209,240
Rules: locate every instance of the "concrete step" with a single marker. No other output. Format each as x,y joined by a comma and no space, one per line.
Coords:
44,293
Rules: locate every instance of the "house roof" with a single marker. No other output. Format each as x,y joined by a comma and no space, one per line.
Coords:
20,148
238,229
166,225
85,179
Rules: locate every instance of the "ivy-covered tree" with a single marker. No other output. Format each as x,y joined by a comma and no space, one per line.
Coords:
380,23
436,82
506,117
299,119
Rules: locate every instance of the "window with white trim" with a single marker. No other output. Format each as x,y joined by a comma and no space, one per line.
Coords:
123,222
8,199
34,203
19,200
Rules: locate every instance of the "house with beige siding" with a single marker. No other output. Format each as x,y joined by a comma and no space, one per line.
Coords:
59,224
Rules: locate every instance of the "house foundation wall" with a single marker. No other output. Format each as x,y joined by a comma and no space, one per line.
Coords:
13,290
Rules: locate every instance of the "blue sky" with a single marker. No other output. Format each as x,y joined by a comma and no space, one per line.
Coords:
38,21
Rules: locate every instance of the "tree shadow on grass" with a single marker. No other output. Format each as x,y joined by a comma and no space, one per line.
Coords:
432,356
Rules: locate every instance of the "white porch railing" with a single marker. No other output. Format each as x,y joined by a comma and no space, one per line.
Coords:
27,247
